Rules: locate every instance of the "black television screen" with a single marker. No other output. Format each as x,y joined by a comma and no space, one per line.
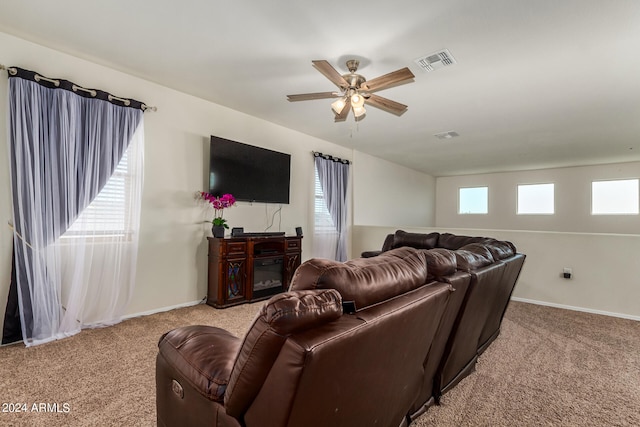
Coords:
251,174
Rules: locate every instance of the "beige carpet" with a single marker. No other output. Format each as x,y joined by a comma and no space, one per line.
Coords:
549,367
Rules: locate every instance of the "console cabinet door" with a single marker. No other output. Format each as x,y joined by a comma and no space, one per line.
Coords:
292,259
234,279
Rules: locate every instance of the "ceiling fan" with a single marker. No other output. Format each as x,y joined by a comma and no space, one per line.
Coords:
355,90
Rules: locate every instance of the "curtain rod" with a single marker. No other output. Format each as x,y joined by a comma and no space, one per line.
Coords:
10,70
13,71
328,157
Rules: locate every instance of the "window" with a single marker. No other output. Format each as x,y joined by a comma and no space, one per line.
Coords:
322,218
473,200
616,197
536,199
107,214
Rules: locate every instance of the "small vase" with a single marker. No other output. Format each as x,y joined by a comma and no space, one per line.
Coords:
218,231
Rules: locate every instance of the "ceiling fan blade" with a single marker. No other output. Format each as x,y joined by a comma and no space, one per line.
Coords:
329,72
387,80
310,96
344,113
386,104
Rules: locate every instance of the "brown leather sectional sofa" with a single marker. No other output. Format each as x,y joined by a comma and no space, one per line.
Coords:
373,341
484,271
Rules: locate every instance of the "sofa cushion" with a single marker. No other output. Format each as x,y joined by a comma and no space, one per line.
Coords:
454,241
415,240
440,263
500,249
473,256
365,281
280,317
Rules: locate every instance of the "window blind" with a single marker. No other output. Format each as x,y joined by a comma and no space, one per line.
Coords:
107,212
322,217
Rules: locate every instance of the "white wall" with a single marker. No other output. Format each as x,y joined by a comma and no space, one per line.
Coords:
602,250
606,274
173,252
389,194
572,200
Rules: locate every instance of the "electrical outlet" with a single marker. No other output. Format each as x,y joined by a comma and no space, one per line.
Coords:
567,273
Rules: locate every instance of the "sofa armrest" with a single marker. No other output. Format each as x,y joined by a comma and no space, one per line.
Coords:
204,356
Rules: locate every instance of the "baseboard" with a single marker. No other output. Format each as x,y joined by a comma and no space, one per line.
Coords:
162,309
570,307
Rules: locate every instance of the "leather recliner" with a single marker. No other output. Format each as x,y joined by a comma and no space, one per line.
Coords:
306,362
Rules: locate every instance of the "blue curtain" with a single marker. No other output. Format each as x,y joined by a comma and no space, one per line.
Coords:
65,144
333,174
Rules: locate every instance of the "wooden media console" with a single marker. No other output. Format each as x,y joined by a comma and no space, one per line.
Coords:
248,269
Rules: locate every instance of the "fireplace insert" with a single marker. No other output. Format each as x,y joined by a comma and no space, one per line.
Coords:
268,275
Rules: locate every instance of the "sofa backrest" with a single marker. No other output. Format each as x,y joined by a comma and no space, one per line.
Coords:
281,316
365,281
473,256
388,242
415,240
454,241
500,249
441,263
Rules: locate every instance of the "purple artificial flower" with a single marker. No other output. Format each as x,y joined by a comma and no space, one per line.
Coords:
219,203
227,200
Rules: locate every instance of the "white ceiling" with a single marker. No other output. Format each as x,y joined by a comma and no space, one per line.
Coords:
537,84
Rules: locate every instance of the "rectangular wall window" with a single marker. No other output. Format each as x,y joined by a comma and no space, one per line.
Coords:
616,197
322,218
536,199
109,214
473,200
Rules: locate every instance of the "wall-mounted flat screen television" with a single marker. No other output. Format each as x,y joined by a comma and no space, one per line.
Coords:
251,174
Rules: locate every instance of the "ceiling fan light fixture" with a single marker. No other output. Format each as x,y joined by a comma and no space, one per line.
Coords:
357,100
359,111
338,105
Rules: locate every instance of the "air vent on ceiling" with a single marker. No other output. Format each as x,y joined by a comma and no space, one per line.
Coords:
446,135
435,60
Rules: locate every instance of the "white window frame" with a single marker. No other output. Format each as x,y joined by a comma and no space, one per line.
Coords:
635,195
519,200
486,201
